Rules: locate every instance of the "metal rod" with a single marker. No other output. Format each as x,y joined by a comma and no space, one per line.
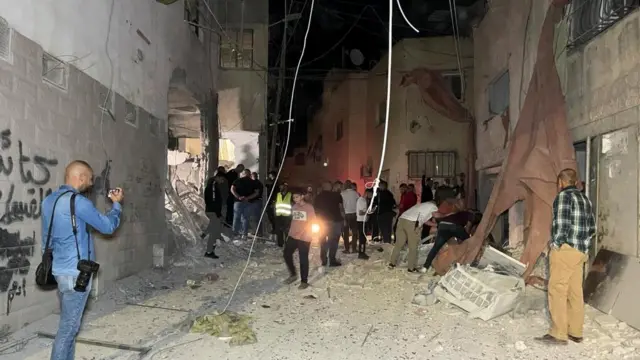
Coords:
157,307
17,343
107,344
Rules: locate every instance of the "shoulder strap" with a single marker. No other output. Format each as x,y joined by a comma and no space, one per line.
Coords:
74,226
46,246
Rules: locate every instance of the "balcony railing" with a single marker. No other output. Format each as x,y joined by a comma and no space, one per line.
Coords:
589,18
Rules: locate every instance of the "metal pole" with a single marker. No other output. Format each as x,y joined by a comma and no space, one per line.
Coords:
281,76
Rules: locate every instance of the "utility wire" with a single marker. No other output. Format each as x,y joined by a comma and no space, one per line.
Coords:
286,147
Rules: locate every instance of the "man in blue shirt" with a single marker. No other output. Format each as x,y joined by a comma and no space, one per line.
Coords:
78,179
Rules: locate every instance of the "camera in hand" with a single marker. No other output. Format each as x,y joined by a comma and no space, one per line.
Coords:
87,268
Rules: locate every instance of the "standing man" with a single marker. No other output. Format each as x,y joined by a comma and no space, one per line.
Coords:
300,237
362,208
214,197
56,215
256,204
386,205
427,189
572,228
232,175
349,200
329,209
245,191
283,213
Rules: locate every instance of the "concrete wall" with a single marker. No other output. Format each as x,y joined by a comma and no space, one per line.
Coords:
600,81
43,127
436,132
354,99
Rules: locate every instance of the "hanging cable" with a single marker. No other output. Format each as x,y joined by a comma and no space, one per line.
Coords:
405,18
376,182
456,38
284,154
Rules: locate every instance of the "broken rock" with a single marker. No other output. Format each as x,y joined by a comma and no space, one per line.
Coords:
520,346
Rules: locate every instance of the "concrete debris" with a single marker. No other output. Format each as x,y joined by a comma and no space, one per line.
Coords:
484,294
520,346
500,262
228,325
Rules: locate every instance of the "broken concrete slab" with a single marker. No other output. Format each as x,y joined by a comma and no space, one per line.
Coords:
483,294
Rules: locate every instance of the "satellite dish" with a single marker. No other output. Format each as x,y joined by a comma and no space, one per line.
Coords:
356,57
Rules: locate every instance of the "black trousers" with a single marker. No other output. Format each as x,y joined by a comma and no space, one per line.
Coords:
362,237
445,232
385,223
271,215
283,223
229,214
352,224
303,252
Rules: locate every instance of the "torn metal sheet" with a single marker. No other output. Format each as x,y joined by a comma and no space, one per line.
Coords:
484,294
500,261
612,286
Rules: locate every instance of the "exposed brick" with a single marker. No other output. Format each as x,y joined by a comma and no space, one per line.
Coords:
6,80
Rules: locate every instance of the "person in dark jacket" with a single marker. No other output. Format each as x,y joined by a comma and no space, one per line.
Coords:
427,189
214,197
269,184
232,175
386,206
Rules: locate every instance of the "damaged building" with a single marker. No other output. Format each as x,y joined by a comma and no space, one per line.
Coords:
138,89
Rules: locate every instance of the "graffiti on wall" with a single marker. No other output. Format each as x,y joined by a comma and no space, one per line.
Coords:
24,183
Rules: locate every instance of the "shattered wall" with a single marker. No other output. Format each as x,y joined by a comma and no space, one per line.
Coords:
246,150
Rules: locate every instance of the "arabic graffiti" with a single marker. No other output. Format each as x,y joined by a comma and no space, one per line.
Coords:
23,185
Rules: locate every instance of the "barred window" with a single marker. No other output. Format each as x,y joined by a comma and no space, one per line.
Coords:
236,49
589,18
436,164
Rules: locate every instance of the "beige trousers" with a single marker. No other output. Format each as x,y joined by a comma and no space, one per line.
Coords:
406,233
566,301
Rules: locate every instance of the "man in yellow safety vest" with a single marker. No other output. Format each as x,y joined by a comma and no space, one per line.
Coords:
283,213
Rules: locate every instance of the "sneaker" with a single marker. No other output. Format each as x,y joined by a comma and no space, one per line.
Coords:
203,235
335,263
423,270
412,270
347,251
392,266
211,255
303,286
363,256
291,279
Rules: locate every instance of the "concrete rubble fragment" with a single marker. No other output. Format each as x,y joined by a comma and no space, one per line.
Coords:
227,326
484,294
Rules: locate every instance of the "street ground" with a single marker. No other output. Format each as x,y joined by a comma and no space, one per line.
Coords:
359,311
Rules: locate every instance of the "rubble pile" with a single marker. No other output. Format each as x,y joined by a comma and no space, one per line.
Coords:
227,326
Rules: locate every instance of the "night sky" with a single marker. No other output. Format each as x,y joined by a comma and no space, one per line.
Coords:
339,26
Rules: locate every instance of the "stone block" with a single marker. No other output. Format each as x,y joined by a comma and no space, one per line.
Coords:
48,97
13,106
6,79
25,90
25,47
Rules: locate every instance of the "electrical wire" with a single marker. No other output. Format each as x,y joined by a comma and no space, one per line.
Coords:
286,147
337,42
456,38
405,18
376,182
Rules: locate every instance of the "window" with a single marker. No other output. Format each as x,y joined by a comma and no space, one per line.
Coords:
192,15
54,71
381,113
131,114
454,82
440,164
5,40
589,18
236,50
499,94
339,130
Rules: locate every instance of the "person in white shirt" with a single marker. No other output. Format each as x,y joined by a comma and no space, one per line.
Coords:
362,205
409,229
349,200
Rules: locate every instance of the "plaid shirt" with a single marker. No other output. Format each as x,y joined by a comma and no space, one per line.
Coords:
573,221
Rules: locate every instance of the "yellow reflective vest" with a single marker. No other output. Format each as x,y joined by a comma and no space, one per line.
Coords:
283,204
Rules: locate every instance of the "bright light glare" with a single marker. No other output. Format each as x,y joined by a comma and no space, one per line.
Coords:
315,228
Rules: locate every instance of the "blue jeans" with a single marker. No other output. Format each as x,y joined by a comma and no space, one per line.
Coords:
241,213
72,305
330,241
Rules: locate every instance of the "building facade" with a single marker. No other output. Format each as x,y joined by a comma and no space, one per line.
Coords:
95,81
597,46
346,137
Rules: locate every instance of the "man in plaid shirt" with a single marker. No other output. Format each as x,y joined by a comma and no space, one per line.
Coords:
571,232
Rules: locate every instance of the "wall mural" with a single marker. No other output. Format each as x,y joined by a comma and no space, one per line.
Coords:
24,183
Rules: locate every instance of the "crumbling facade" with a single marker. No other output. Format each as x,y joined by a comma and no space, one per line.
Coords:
597,59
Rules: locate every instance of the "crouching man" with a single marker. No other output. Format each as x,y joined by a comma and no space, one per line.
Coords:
71,248
300,236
